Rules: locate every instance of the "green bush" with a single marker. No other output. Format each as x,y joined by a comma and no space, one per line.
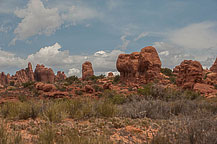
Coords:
29,84
72,79
116,79
78,92
167,71
215,86
114,97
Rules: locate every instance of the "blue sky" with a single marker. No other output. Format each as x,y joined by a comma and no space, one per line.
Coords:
63,34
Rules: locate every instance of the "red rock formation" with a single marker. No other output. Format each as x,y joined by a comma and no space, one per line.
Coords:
60,76
88,89
205,89
4,79
189,73
87,70
43,74
25,75
149,64
144,66
214,67
110,74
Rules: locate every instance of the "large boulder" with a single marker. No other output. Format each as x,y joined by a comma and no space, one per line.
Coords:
87,70
141,66
189,73
214,67
43,74
149,64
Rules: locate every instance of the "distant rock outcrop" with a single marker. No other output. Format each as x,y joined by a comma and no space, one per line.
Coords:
43,74
24,75
60,76
214,67
87,70
141,66
188,73
4,79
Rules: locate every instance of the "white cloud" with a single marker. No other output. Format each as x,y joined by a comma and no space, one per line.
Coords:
74,71
36,20
40,20
8,59
76,14
142,35
125,42
165,53
195,36
100,53
53,57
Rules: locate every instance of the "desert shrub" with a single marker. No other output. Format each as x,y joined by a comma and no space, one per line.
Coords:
54,111
78,92
215,86
8,137
97,88
18,110
153,91
189,130
22,97
116,79
72,79
205,76
29,84
10,110
12,83
167,71
172,79
114,97
106,108
3,134
47,135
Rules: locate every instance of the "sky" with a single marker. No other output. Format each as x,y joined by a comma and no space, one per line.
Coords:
64,34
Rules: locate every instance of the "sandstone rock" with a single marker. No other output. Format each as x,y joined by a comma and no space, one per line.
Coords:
87,70
45,87
55,94
205,89
149,63
43,74
24,75
60,76
189,73
88,89
211,78
144,66
214,67
107,86
4,79
110,74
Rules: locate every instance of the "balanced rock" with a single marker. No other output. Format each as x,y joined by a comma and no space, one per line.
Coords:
189,73
214,67
43,74
87,70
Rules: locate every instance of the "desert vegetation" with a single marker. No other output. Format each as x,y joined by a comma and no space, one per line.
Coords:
153,114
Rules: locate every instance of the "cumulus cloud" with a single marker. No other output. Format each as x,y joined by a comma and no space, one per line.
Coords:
54,57
40,20
195,36
36,20
73,71
8,59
